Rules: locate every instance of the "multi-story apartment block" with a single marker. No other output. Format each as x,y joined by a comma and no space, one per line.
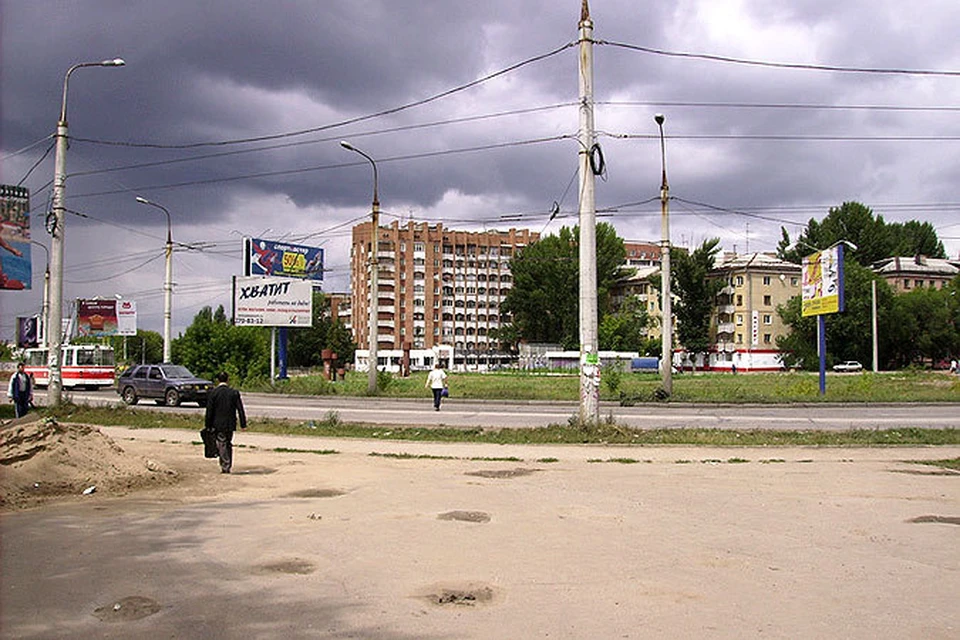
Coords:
438,289
641,254
745,323
906,274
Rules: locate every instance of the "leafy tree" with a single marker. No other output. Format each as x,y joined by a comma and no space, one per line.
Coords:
927,329
850,333
696,295
305,346
875,239
211,344
544,299
625,329
145,347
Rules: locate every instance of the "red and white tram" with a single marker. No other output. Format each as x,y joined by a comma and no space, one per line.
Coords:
91,366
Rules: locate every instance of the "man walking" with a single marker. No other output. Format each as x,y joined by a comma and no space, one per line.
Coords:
20,391
224,407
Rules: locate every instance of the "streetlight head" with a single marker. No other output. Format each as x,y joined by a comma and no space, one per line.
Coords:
116,62
659,118
346,145
142,200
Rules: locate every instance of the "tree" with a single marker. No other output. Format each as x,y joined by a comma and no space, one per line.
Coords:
305,346
211,344
696,295
927,329
874,238
544,299
850,333
625,330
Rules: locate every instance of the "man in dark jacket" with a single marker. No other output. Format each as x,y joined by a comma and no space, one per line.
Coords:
20,391
224,407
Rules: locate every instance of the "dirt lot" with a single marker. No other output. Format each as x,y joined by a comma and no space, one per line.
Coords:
314,538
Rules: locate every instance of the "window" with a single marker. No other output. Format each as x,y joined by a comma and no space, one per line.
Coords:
767,301
739,319
766,280
418,247
739,281
739,338
739,300
767,318
794,281
766,338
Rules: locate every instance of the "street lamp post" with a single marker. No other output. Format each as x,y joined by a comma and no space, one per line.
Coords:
374,275
666,310
45,309
55,224
168,281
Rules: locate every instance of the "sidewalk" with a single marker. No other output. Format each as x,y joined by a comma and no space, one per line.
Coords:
490,541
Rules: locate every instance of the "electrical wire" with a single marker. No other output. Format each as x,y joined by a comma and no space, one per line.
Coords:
355,120
37,163
779,65
27,148
776,105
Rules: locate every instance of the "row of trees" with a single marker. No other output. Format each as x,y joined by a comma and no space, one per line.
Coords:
918,326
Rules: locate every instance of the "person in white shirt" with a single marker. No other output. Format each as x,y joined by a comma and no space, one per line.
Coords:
437,381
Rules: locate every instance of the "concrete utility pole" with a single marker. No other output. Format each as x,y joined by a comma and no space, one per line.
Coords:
666,306
168,280
374,275
589,356
55,226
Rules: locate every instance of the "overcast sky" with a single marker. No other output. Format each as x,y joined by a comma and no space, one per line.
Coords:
750,148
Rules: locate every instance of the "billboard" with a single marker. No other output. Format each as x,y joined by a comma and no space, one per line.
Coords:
126,318
96,318
272,302
270,258
28,332
15,267
822,289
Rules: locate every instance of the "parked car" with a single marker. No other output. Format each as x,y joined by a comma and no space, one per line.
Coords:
168,384
850,366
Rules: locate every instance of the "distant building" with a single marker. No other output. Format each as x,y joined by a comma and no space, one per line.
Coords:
904,274
745,323
440,290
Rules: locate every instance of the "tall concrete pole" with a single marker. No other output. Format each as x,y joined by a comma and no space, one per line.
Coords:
374,274
167,282
873,317
666,303
589,356
55,226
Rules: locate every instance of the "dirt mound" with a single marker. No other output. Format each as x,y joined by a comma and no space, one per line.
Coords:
42,459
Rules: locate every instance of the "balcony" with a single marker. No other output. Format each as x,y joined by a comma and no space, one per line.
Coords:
727,309
726,328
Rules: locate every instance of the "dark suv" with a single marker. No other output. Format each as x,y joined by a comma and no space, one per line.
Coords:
168,384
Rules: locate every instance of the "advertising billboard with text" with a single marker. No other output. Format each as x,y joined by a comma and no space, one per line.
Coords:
822,290
272,302
270,258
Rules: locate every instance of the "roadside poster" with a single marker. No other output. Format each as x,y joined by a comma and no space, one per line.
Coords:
126,318
822,287
96,318
270,258
15,263
272,302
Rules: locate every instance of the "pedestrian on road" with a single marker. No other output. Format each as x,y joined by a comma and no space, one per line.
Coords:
20,391
437,381
224,407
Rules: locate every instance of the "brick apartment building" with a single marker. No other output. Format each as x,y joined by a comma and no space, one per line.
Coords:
438,288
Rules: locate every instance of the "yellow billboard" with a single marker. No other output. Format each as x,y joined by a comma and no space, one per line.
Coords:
822,287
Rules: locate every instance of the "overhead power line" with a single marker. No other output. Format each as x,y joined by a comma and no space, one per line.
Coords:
349,121
781,65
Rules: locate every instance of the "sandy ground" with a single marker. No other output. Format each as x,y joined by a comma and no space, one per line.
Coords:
316,538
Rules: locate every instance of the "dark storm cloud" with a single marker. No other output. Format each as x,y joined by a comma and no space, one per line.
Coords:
219,70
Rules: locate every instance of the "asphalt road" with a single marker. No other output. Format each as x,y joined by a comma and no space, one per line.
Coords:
520,414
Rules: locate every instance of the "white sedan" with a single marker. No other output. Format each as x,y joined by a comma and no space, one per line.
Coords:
850,366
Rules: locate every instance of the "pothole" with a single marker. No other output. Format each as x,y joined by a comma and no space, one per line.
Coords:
316,493
936,519
127,609
501,473
294,566
467,595
465,516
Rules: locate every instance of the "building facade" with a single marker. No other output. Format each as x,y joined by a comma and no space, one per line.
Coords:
745,325
439,289
904,274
